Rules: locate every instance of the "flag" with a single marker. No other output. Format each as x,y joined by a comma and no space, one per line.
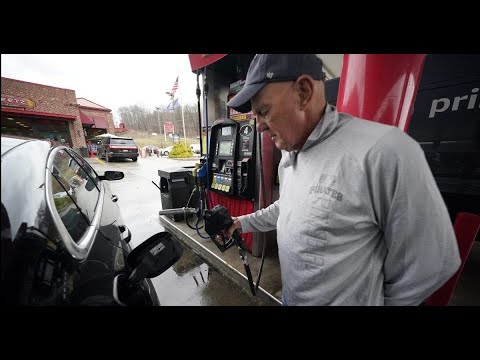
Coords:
174,105
174,87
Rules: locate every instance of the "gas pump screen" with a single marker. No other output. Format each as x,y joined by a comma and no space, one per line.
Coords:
227,131
224,148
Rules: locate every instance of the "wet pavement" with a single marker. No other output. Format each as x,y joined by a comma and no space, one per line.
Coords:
190,281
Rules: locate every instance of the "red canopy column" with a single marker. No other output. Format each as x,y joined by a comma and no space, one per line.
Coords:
380,87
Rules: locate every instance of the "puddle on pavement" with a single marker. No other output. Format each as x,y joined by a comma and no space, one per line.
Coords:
192,282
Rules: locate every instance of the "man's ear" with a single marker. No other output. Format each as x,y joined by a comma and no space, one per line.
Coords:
305,87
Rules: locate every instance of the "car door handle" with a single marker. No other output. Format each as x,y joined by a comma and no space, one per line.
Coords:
114,198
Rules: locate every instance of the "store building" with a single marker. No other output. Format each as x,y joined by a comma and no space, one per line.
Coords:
47,112
96,119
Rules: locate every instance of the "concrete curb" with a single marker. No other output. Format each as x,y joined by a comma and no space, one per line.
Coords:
216,262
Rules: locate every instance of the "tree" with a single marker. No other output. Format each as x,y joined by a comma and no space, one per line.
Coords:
139,118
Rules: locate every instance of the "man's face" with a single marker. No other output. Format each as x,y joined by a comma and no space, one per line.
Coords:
277,111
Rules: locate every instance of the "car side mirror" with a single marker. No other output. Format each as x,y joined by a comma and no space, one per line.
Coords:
112,175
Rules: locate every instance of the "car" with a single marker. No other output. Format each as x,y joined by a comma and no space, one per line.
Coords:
195,148
166,151
115,147
63,238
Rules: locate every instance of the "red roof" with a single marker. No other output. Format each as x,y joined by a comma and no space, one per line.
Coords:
82,102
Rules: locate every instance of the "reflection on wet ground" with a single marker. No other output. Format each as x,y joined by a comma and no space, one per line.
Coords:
192,282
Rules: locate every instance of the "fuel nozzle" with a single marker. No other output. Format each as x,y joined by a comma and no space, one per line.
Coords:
217,220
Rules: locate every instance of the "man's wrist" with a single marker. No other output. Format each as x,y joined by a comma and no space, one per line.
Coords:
243,224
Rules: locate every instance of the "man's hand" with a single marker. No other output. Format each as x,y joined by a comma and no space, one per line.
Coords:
235,226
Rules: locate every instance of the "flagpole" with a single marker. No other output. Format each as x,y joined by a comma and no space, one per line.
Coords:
172,97
181,105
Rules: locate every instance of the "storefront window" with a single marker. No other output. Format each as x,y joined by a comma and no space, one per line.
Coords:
37,128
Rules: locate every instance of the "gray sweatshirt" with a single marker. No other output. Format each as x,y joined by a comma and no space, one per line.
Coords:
360,219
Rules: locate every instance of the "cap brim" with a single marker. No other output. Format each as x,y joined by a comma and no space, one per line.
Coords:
241,101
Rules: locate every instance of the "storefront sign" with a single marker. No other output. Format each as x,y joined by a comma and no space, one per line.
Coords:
16,101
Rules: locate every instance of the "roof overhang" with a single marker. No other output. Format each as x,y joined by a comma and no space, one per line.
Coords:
39,114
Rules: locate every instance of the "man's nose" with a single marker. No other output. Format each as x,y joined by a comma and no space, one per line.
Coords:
261,126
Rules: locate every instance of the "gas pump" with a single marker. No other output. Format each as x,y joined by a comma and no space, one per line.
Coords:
222,162
232,158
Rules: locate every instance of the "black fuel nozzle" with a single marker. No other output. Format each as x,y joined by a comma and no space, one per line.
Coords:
217,220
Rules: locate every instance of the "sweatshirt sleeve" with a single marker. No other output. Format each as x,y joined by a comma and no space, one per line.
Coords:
261,220
422,250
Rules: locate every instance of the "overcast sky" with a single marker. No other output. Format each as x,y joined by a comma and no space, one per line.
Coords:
109,80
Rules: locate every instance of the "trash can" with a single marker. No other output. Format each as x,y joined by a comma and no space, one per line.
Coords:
175,189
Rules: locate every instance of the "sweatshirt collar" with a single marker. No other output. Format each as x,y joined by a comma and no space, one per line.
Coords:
325,127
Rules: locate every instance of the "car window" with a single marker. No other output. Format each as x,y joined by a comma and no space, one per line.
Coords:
114,141
86,166
75,194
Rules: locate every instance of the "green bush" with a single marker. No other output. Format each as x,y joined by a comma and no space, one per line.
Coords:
180,151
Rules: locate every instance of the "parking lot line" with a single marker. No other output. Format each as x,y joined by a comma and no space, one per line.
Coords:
100,161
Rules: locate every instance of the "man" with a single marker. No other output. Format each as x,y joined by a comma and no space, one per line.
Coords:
360,220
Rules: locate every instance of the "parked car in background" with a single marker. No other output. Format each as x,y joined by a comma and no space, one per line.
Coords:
63,239
195,148
166,151
114,147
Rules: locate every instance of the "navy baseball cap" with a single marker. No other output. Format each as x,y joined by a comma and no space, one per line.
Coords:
266,68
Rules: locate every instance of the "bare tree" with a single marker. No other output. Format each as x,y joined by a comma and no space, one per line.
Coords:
140,118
